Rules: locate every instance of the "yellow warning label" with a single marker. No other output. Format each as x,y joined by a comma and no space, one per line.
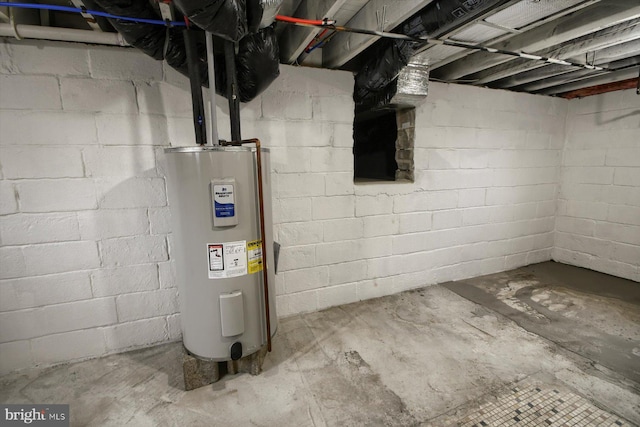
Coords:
254,254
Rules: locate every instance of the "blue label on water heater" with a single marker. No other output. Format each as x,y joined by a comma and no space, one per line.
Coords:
224,201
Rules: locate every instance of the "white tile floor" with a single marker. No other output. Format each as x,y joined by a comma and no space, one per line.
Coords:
540,406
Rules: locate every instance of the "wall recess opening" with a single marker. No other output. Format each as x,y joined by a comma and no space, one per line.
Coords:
383,145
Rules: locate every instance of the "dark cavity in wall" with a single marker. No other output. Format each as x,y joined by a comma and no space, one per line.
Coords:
383,144
374,146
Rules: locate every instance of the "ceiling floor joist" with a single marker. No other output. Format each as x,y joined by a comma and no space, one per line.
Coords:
603,39
294,39
541,78
531,26
345,46
601,15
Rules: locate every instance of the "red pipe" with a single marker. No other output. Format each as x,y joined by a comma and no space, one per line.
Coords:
293,20
315,40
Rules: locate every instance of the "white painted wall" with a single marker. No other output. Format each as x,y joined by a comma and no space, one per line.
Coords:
598,224
85,241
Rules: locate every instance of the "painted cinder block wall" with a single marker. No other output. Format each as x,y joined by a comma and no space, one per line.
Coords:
85,235
598,222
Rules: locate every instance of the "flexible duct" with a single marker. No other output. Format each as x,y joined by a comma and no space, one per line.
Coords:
373,83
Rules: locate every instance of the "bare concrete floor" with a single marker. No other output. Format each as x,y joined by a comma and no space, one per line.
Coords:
544,339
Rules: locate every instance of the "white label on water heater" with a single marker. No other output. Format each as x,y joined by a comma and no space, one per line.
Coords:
227,259
223,192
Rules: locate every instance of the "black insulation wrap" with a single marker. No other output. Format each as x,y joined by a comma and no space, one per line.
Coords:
147,37
377,99
223,18
254,15
151,39
373,83
257,63
176,56
257,58
373,80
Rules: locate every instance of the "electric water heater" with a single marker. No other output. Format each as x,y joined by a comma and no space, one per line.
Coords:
217,246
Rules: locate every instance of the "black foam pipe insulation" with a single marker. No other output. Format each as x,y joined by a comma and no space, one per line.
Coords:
197,102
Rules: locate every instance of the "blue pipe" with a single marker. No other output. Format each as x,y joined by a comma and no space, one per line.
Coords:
92,12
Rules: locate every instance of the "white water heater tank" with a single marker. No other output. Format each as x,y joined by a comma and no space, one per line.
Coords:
213,195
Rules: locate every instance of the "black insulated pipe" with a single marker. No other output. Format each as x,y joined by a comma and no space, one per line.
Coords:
197,103
232,89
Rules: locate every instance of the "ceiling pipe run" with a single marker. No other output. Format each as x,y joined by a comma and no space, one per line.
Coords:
61,34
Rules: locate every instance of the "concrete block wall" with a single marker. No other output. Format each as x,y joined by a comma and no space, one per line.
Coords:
598,223
85,234
484,198
85,265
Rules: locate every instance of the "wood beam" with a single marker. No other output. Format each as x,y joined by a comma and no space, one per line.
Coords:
611,77
345,46
599,89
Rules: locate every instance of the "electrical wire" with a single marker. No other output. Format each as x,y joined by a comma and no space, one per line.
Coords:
321,43
315,40
57,8
326,23
321,23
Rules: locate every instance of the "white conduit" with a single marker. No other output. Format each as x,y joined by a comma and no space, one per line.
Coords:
61,34
212,127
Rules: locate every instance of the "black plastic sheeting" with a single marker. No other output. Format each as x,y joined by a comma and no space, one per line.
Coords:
224,18
254,15
257,64
148,38
375,83
257,58
156,41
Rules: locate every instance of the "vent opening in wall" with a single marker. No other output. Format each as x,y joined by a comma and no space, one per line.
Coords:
383,145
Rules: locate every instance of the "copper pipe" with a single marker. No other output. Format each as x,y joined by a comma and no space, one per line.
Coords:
265,275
